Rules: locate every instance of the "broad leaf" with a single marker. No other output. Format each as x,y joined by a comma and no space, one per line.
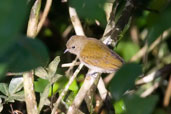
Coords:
4,89
12,17
44,96
15,85
124,79
41,72
40,85
18,96
90,9
53,66
27,54
137,105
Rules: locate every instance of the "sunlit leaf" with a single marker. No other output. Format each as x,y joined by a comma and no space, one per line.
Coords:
40,85
15,85
41,72
19,96
53,66
44,96
60,84
55,78
4,89
119,107
74,86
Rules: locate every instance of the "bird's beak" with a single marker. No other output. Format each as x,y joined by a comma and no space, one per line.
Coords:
66,50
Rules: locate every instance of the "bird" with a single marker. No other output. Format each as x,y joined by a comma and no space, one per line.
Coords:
94,54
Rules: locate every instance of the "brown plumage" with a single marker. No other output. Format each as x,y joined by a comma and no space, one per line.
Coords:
94,54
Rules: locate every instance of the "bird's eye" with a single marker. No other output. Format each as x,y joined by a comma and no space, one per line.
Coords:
73,47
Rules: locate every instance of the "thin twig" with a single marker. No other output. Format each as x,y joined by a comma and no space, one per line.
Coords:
150,77
28,78
77,27
88,83
44,15
141,52
76,22
67,31
14,73
70,64
150,90
33,20
102,89
66,89
167,94
79,31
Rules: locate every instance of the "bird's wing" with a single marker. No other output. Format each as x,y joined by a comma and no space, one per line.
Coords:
97,54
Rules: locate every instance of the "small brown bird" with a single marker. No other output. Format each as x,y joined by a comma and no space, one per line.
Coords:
94,54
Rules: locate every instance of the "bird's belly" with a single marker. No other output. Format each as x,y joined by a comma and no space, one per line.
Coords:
97,69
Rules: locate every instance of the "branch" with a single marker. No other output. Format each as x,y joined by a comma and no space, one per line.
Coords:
44,15
141,52
88,83
28,77
79,31
76,22
126,14
123,20
66,89
150,77
29,94
167,94
33,20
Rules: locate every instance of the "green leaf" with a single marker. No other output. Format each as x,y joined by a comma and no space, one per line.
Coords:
124,79
4,89
137,105
41,72
163,23
44,96
53,66
11,20
55,78
74,86
26,54
127,49
90,9
40,85
15,85
119,107
61,82
18,96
